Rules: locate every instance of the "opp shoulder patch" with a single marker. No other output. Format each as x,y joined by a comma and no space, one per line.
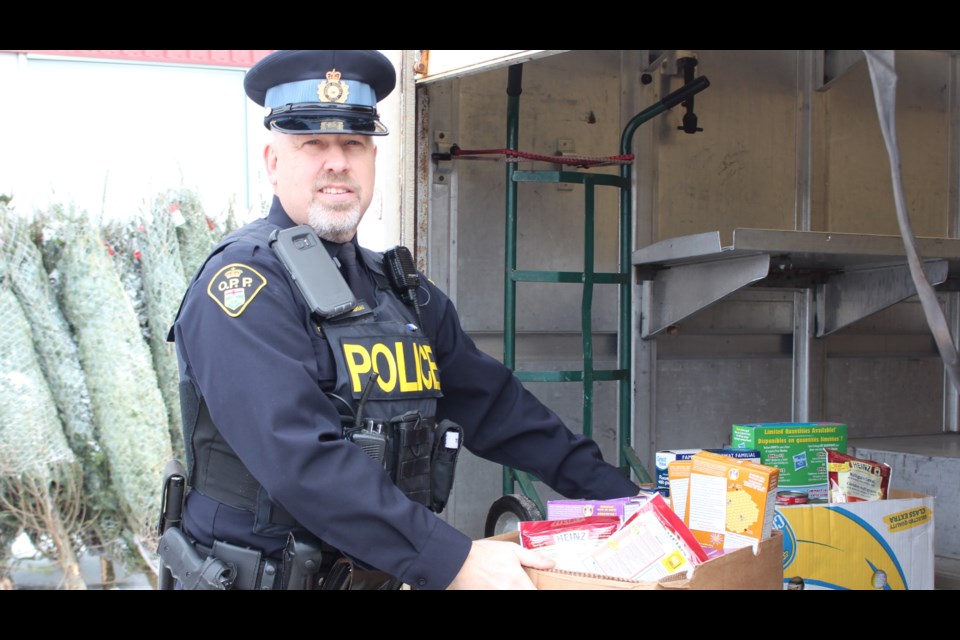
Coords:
234,287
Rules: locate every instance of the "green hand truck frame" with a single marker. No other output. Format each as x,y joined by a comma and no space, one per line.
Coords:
513,507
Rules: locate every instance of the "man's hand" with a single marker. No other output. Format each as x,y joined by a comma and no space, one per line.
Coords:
492,564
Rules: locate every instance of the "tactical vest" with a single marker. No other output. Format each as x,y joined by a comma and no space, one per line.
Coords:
388,379
386,392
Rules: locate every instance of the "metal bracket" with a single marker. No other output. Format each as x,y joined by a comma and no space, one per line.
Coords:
850,296
443,141
665,60
442,168
680,291
833,64
565,147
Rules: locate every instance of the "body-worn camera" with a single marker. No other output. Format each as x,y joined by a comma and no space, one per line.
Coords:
312,268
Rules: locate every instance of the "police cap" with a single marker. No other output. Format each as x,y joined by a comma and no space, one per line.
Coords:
323,91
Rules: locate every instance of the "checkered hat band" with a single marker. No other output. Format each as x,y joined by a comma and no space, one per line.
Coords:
305,91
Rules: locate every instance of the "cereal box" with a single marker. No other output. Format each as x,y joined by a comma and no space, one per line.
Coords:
730,502
652,544
797,449
679,473
662,460
665,457
753,455
564,509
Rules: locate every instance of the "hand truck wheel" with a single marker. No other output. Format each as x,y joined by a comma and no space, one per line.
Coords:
508,512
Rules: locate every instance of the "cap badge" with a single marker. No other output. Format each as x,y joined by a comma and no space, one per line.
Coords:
331,89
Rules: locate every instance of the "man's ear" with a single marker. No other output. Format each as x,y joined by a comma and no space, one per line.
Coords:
270,161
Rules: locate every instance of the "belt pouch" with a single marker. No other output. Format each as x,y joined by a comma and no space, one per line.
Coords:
246,561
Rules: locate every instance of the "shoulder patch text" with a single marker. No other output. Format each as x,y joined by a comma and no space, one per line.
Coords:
234,287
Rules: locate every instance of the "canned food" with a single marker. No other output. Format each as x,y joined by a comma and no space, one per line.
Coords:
792,497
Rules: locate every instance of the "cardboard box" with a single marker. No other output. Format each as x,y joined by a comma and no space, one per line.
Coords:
797,449
884,544
740,569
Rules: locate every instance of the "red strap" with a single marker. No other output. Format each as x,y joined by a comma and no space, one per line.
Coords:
512,155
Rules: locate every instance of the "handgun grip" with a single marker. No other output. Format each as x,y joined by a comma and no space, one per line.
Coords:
193,571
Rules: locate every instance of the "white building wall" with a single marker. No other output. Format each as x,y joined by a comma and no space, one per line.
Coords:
108,136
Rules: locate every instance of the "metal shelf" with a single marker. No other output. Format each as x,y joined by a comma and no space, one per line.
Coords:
854,275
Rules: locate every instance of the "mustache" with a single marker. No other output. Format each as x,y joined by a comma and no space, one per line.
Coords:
337,179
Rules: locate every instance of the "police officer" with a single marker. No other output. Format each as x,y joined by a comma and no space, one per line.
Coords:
266,384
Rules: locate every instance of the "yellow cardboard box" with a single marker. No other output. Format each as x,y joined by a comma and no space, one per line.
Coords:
883,544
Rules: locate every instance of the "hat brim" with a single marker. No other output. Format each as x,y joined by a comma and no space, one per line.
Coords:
308,118
305,125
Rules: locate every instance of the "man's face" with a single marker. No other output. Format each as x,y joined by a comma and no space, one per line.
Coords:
323,180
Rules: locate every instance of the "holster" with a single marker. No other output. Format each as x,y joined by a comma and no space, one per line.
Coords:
345,575
193,571
302,559
171,513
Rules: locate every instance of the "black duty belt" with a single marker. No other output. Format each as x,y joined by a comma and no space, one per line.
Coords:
252,572
304,567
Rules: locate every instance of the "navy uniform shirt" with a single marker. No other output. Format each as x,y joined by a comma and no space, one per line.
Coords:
263,372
